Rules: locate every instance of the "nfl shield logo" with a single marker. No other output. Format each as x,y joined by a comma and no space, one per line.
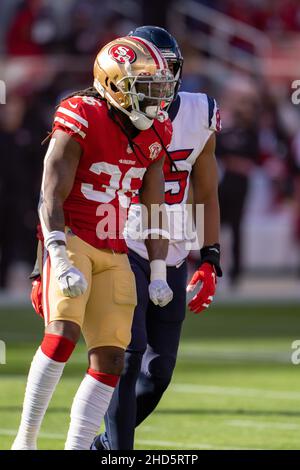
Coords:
155,150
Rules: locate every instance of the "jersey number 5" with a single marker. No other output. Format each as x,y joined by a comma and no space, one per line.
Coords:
176,181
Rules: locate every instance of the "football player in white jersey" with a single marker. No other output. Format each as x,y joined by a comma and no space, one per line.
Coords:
151,355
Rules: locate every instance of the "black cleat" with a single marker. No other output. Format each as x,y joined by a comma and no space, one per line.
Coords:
100,442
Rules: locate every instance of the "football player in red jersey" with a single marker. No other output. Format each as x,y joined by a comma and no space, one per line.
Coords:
107,143
151,356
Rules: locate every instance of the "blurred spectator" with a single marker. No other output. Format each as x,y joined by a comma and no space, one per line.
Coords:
86,25
295,169
21,131
31,30
260,125
266,15
238,150
156,12
277,16
239,11
274,146
9,183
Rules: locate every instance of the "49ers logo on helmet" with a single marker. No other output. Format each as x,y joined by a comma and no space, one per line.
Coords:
121,53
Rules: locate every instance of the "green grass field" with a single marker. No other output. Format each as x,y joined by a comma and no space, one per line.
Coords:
234,386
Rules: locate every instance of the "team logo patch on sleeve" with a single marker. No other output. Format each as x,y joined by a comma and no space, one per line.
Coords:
155,150
214,117
218,121
121,54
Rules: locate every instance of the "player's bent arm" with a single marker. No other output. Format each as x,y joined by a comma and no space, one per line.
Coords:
152,198
205,191
60,167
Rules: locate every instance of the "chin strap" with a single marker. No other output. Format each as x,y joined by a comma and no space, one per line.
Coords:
138,119
133,145
172,163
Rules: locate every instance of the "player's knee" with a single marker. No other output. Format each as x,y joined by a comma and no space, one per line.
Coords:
161,370
57,347
107,359
132,363
67,329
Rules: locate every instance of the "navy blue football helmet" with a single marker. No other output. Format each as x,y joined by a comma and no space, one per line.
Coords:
168,47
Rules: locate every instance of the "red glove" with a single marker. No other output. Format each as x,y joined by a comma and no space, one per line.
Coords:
36,296
207,275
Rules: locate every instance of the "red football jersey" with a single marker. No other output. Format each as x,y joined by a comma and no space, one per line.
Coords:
109,173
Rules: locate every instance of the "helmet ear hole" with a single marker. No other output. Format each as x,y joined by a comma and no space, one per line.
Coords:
113,87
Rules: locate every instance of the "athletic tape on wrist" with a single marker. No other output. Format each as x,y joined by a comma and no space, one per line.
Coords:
158,270
54,236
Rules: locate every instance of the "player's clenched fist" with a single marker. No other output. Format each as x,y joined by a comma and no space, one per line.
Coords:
207,275
159,290
71,281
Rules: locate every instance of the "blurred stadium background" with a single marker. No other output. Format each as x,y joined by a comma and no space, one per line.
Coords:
235,385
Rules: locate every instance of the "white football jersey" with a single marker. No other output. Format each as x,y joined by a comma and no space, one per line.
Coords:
195,116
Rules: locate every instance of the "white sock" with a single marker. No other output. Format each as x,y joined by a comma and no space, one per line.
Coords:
42,379
89,407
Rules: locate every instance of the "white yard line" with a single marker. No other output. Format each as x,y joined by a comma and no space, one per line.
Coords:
223,355
148,442
189,388
235,391
237,355
190,446
194,353
42,435
263,425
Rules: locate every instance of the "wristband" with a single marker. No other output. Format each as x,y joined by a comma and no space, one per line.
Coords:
158,270
54,236
59,259
211,254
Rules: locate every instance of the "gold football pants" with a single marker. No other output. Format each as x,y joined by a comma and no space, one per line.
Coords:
105,311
